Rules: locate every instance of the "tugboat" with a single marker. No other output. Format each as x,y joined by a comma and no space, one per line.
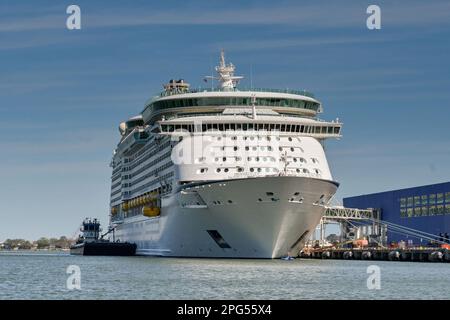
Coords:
91,243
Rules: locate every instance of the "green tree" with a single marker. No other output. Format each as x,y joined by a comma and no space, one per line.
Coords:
43,243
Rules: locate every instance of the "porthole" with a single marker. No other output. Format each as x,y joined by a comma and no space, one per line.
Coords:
252,169
218,170
290,139
229,201
226,170
247,148
292,149
235,148
224,159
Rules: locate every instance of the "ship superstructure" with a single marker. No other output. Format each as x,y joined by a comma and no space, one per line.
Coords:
222,172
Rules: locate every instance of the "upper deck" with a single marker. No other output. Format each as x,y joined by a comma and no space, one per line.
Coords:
179,99
209,101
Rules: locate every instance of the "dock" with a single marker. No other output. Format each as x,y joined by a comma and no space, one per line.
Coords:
380,254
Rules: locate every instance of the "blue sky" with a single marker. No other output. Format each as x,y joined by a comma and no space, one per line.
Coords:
63,93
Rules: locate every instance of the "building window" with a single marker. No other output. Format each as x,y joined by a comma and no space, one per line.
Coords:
432,210
440,198
410,201
402,213
417,201
440,209
432,199
424,211
447,208
410,212
424,200
402,202
447,197
417,212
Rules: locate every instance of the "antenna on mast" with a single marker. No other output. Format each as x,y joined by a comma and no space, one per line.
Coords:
251,76
226,78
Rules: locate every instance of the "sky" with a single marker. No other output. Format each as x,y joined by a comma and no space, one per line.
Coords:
64,92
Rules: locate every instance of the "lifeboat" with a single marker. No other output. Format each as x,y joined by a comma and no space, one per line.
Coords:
151,211
125,206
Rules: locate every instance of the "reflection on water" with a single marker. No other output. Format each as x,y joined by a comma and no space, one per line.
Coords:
43,276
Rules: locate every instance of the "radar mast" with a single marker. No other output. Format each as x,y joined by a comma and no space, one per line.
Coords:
226,78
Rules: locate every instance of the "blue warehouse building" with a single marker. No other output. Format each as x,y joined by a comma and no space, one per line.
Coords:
425,208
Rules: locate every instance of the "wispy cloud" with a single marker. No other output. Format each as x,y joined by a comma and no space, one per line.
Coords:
318,15
60,143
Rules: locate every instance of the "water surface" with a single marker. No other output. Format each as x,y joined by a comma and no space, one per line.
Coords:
25,275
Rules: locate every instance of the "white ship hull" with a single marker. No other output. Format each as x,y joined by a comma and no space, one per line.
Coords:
232,219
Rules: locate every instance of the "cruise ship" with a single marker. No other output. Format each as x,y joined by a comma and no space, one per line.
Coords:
223,172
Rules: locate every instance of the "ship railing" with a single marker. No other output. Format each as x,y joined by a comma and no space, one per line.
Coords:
201,89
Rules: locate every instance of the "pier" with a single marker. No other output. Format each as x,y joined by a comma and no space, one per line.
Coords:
364,237
380,254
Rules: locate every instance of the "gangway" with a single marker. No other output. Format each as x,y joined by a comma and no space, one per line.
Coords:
357,223
352,222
